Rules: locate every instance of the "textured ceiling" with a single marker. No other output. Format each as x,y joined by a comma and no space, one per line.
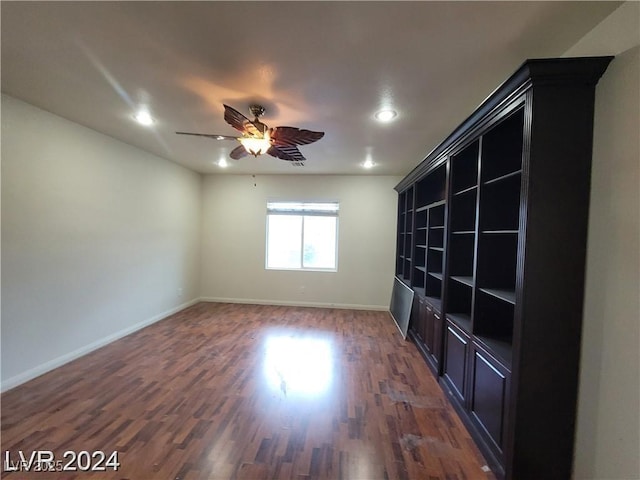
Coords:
324,66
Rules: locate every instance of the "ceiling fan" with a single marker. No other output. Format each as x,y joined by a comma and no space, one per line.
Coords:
257,138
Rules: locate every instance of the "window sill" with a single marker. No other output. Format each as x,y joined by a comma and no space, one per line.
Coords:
326,270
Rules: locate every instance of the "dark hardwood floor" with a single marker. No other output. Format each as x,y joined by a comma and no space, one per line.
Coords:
222,391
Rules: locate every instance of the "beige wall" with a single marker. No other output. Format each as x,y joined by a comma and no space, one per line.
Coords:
97,239
608,429
233,242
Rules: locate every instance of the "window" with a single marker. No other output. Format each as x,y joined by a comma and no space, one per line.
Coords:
302,236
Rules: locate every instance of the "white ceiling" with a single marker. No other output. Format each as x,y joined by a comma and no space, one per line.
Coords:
324,66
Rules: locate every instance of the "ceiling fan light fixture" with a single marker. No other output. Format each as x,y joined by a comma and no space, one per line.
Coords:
385,115
255,146
257,138
143,117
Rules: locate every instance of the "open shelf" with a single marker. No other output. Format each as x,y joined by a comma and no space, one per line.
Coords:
406,270
463,211
436,215
497,264
502,294
436,239
462,320
420,238
464,280
500,204
470,189
459,297
433,287
503,177
494,317
432,188
435,262
461,254
502,147
499,232
435,302
418,278
435,248
439,203
464,168
405,239
419,256
500,348
407,245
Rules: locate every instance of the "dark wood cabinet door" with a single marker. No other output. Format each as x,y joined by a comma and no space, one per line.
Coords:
455,367
428,327
437,337
489,392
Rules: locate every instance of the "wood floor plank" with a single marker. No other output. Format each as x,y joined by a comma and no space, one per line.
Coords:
227,391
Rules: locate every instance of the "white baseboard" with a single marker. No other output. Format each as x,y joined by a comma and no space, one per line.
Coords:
253,301
57,362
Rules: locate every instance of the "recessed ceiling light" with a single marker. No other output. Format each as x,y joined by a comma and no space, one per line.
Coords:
143,117
386,115
368,163
222,163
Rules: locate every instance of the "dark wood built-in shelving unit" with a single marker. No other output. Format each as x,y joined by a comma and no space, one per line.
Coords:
492,238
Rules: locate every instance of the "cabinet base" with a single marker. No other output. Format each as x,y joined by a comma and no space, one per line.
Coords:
428,358
492,462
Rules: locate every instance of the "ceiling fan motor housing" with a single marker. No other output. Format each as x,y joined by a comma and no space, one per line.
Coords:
256,110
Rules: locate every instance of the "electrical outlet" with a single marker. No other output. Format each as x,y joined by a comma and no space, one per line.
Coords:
180,292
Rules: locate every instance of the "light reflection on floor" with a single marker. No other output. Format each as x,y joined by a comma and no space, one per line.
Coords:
298,366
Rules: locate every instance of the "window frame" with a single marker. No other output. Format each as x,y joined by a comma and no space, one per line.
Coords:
302,212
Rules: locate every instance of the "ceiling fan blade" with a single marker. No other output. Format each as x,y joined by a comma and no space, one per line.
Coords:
209,135
240,122
292,154
238,152
291,136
